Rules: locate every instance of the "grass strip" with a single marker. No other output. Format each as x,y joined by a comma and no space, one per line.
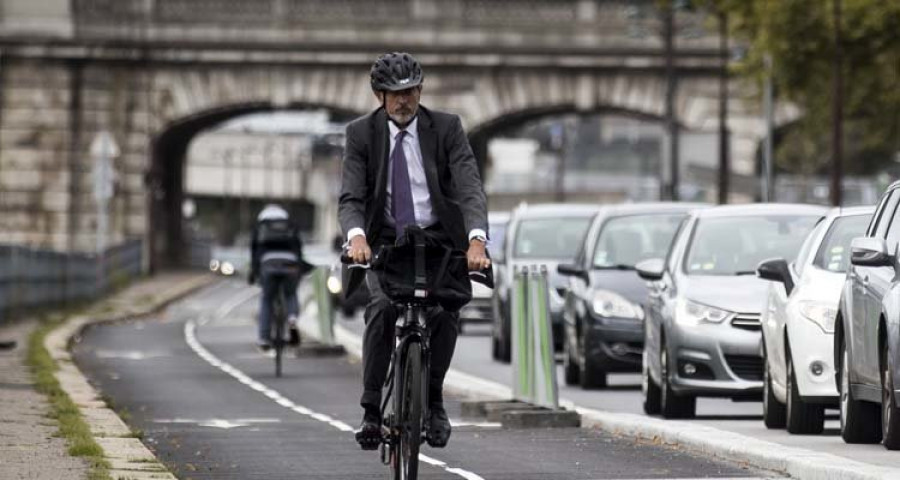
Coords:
71,425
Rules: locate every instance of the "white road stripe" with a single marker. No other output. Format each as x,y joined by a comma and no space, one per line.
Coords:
190,336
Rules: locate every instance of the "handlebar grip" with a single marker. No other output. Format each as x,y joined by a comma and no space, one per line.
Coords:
346,260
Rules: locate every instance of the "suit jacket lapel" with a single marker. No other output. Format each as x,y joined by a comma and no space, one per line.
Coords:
428,144
380,155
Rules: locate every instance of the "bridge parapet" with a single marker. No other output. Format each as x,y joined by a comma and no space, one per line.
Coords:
629,25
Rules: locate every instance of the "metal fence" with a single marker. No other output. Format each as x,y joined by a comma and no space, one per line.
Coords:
31,278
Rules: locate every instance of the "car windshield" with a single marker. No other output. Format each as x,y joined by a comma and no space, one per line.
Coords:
834,253
626,241
552,238
735,246
498,234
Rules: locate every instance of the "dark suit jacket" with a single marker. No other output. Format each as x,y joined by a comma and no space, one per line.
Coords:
457,194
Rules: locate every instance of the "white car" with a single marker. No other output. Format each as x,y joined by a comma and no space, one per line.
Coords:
798,323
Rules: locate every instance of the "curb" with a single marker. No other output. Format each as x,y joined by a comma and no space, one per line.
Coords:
799,463
129,459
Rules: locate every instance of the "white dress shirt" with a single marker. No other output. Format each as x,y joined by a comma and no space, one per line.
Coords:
422,207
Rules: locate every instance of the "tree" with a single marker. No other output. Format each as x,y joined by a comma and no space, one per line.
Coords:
798,34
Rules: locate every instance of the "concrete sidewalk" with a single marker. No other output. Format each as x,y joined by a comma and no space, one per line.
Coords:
29,447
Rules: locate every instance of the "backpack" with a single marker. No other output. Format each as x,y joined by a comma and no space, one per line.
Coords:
276,234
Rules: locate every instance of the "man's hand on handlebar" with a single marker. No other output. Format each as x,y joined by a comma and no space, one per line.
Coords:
477,256
359,250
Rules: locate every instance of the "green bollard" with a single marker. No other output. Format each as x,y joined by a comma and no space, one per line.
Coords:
323,302
521,341
546,390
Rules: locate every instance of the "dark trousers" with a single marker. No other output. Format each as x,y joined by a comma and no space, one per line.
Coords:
378,342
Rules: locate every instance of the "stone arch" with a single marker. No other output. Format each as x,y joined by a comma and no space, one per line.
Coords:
165,179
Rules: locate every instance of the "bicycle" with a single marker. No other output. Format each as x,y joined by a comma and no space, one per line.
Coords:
283,272
408,374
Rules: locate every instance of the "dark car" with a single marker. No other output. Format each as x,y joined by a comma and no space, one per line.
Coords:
604,319
546,235
867,332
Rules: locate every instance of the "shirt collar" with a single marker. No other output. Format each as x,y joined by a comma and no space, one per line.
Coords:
411,130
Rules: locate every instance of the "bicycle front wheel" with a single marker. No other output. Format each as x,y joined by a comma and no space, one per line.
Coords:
410,392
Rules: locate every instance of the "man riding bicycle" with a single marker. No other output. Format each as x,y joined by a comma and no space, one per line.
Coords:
276,243
407,165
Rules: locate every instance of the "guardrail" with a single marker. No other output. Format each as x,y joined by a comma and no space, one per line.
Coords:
32,278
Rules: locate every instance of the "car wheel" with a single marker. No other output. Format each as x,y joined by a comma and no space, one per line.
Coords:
672,405
890,414
649,388
593,375
859,420
773,411
802,418
570,366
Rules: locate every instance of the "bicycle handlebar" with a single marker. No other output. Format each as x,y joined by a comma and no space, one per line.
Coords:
346,260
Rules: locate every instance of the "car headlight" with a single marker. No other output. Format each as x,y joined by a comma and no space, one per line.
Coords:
214,265
689,312
612,305
227,268
822,314
334,285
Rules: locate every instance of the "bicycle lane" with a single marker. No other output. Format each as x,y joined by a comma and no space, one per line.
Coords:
212,408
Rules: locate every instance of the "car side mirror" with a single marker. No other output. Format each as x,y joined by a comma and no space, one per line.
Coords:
651,270
870,252
572,270
776,270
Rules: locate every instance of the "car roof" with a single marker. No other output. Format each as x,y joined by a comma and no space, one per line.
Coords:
649,207
760,209
850,211
550,210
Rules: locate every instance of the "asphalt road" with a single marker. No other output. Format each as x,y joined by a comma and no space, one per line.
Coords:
473,356
209,405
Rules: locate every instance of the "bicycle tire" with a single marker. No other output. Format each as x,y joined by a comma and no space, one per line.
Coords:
409,394
278,341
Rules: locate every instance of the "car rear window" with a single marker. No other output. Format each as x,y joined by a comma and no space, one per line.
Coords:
551,238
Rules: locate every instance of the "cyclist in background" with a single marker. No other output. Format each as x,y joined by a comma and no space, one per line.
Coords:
276,239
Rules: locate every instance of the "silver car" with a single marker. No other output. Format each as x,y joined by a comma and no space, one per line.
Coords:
702,329
547,234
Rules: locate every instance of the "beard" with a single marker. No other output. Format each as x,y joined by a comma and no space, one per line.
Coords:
402,118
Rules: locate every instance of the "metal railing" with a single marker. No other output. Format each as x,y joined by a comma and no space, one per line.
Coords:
32,278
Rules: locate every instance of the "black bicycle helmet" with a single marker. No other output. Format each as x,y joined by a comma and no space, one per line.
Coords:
396,71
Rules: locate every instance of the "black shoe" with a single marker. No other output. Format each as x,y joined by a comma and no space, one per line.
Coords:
294,340
439,428
7,344
263,346
369,434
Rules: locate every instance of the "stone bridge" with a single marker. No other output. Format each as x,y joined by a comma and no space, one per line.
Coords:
156,72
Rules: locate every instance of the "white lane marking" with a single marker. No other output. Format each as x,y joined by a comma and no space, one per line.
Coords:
461,423
190,336
128,355
432,461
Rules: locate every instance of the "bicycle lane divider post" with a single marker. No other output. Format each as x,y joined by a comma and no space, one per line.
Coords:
520,343
322,329
546,389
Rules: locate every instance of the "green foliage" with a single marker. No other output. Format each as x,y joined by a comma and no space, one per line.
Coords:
798,35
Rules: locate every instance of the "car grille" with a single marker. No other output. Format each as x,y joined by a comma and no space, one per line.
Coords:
747,367
746,321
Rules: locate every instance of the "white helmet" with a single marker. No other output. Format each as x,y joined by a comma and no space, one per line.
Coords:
272,212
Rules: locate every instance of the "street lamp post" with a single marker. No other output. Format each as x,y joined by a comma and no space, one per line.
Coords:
669,184
838,108
724,150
